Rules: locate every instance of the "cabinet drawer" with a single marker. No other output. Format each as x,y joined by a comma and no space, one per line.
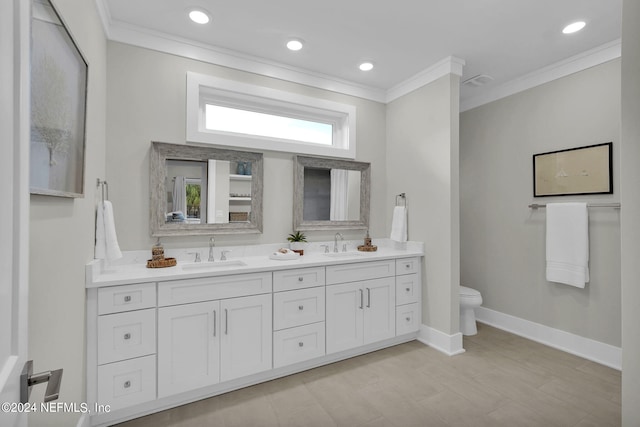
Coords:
298,279
408,289
115,299
297,308
360,271
407,318
126,335
212,288
407,266
127,383
298,344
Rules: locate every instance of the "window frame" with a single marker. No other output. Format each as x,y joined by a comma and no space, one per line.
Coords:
203,89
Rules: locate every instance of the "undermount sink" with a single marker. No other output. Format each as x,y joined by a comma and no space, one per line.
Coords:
344,254
213,265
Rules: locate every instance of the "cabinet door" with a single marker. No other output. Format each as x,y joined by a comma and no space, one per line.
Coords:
188,347
246,336
345,306
379,309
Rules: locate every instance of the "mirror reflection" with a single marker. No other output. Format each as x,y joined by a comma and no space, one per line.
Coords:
330,194
208,192
201,190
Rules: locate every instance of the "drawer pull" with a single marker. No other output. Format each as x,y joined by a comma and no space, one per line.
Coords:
408,319
300,344
301,307
407,266
127,298
214,323
300,279
408,289
127,384
127,336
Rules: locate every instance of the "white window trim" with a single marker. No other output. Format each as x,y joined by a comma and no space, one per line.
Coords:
202,88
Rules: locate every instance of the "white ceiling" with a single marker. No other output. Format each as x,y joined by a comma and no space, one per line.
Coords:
505,39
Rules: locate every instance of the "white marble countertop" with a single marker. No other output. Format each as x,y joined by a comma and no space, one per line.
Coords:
255,258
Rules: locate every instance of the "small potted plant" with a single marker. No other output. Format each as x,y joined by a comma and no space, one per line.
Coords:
297,242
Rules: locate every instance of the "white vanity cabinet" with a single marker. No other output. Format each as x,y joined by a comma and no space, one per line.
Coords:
360,312
204,343
189,336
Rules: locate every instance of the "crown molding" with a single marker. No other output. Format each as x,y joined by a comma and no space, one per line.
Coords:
449,65
574,64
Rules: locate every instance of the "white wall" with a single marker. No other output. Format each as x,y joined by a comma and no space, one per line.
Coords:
146,102
422,161
630,229
62,238
502,240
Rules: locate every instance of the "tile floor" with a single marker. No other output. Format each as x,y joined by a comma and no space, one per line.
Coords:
501,380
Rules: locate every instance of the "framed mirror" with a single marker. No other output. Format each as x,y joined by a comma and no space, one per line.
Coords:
330,194
202,190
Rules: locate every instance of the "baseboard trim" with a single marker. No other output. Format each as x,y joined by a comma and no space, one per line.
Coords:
447,344
604,354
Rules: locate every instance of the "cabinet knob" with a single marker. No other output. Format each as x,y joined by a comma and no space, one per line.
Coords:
127,298
301,307
300,344
408,289
127,384
127,336
300,279
407,266
408,319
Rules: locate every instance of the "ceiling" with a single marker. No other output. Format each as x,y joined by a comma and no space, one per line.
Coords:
504,39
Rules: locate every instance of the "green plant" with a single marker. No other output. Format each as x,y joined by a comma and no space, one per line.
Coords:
297,237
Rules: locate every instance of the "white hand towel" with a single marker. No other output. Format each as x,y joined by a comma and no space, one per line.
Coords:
399,224
568,243
106,240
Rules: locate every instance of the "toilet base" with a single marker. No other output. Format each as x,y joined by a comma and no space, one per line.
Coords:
468,320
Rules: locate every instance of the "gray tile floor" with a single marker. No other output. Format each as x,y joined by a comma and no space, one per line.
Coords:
501,380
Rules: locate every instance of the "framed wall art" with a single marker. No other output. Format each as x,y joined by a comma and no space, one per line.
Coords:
581,170
58,106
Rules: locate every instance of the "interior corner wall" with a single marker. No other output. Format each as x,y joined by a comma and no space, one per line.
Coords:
146,102
62,234
630,229
502,240
422,161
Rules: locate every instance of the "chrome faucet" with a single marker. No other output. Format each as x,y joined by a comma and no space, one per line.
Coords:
212,243
335,242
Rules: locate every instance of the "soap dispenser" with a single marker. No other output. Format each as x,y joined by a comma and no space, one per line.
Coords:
157,251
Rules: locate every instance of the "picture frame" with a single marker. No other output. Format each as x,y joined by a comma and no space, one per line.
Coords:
574,171
59,75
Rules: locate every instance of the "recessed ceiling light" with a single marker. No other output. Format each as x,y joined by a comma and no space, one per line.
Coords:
366,66
294,44
574,27
199,16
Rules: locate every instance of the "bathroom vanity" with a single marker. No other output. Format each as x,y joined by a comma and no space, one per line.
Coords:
159,338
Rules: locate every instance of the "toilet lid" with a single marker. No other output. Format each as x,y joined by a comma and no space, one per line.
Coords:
468,292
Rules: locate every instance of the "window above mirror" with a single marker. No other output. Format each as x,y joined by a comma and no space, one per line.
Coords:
226,112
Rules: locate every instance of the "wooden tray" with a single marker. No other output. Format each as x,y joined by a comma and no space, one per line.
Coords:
162,263
365,248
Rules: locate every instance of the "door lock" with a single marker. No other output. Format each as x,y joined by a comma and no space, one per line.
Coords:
28,379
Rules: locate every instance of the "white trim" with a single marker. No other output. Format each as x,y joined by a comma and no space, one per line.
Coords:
450,345
201,87
574,64
449,65
589,349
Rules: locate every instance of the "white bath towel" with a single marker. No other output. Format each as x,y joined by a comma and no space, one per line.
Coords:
568,243
399,224
106,240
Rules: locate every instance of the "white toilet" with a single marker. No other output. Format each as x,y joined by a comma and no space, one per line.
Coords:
469,299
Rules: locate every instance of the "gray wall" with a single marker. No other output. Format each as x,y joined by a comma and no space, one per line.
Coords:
146,102
631,212
422,161
502,240
62,237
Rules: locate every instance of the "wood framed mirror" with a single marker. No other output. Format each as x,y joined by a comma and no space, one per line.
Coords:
330,194
201,190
